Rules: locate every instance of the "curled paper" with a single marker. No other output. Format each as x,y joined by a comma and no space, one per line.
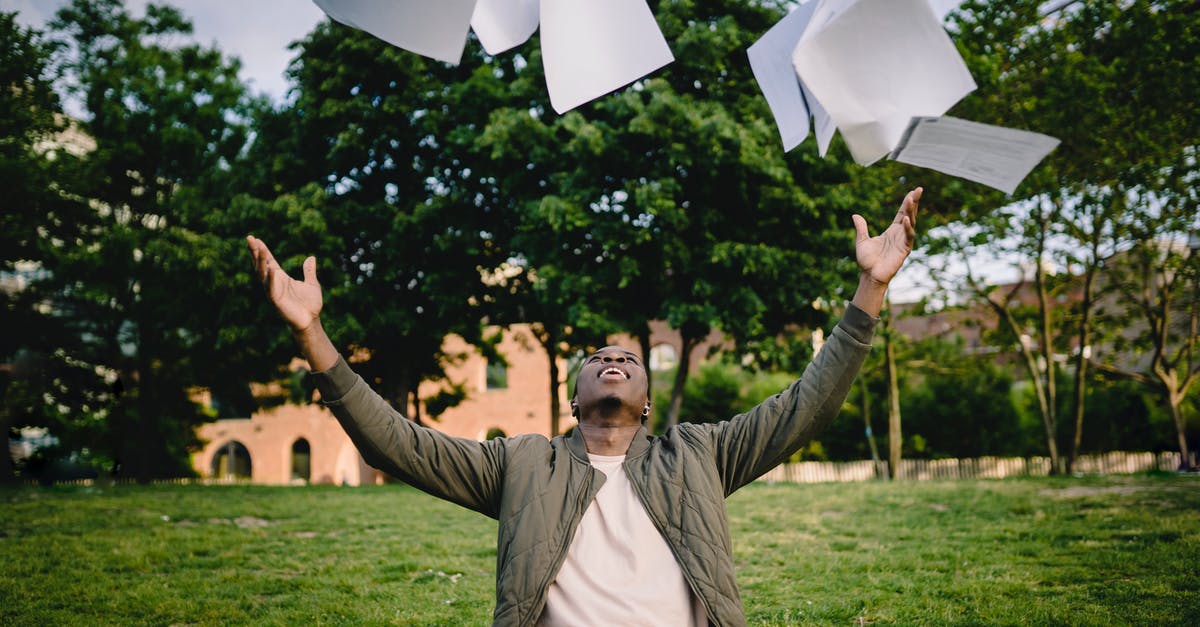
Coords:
502,25
433,29
592,47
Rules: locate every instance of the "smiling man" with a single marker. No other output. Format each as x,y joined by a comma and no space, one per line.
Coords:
609,525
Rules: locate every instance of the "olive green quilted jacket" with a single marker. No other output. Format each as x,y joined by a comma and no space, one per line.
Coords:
538,489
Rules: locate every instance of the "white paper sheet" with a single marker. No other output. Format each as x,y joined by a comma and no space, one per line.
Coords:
592,47
876,64
942,8
823,124
771,62
436,29
995,156
504,24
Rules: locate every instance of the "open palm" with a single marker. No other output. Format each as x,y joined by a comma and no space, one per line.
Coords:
299,302
880,257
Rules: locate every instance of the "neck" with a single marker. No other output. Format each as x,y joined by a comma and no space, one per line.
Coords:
607,439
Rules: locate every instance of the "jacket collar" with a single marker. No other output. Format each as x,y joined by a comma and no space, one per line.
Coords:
578,447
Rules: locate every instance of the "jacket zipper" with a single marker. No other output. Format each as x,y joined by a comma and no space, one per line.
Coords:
637,487
561,555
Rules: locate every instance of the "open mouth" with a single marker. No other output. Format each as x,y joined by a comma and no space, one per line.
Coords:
613,372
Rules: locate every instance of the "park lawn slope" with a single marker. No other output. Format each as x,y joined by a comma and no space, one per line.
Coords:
1094,550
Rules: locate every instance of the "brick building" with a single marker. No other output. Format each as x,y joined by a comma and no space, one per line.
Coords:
305,444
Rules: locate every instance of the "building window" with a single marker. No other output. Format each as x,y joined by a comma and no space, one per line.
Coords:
301,461
496,376
663,358
232,461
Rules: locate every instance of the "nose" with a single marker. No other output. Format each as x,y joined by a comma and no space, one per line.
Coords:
620,359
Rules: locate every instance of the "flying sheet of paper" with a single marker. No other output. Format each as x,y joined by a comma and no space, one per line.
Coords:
504,24
876,64
433,29
592,47
771,62
995,156
942,8
823,124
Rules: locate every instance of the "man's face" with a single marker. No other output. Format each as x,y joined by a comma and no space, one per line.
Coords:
612,376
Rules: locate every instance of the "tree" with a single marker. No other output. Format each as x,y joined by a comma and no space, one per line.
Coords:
28,119
125,282
675,198
1158,283
1070,73
374,129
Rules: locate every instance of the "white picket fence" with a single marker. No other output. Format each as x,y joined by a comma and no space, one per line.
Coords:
977,468
831,472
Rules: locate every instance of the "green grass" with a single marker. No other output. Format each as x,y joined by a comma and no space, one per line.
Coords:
1091,551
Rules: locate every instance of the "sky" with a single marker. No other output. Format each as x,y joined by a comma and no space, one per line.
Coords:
256,31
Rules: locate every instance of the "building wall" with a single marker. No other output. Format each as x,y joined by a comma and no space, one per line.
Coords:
522,407
268,436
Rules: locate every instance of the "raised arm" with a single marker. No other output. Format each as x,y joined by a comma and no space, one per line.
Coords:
462,471
298,302
880,257
752,443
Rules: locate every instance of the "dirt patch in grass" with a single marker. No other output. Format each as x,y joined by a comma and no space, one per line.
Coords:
1077,491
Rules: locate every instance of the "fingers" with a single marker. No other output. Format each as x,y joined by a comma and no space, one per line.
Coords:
912,202
264,262
860,228
310,271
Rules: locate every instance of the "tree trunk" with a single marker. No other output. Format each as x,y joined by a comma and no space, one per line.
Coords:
1174,401
1046,349
644,343
895,435
8,473
1081,362
1035,376
685,362
550,345
416,405
866,412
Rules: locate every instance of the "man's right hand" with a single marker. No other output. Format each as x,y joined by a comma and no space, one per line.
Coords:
299,302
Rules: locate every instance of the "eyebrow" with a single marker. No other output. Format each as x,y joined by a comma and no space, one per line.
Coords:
630,354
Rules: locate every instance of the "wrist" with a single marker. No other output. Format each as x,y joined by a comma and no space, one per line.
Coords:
312,329
870,294
316,346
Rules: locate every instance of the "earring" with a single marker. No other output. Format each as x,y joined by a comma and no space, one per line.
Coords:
646,410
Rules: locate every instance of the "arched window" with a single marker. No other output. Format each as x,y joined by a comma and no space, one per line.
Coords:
493,433
663,358
301,460
232,461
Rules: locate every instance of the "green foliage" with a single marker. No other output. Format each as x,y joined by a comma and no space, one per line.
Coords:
670,199
720,390
1112,80
1123,415
369,145
447,397
965,413
125,280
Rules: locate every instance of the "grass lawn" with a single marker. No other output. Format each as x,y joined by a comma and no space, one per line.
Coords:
1087,551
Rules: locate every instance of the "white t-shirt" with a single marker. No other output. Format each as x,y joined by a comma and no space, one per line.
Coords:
619,570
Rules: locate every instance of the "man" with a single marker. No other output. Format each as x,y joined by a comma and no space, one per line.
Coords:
610,525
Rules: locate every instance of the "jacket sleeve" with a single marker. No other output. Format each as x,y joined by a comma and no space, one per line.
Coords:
750,444
458,470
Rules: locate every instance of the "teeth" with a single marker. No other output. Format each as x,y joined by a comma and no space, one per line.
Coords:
614,370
